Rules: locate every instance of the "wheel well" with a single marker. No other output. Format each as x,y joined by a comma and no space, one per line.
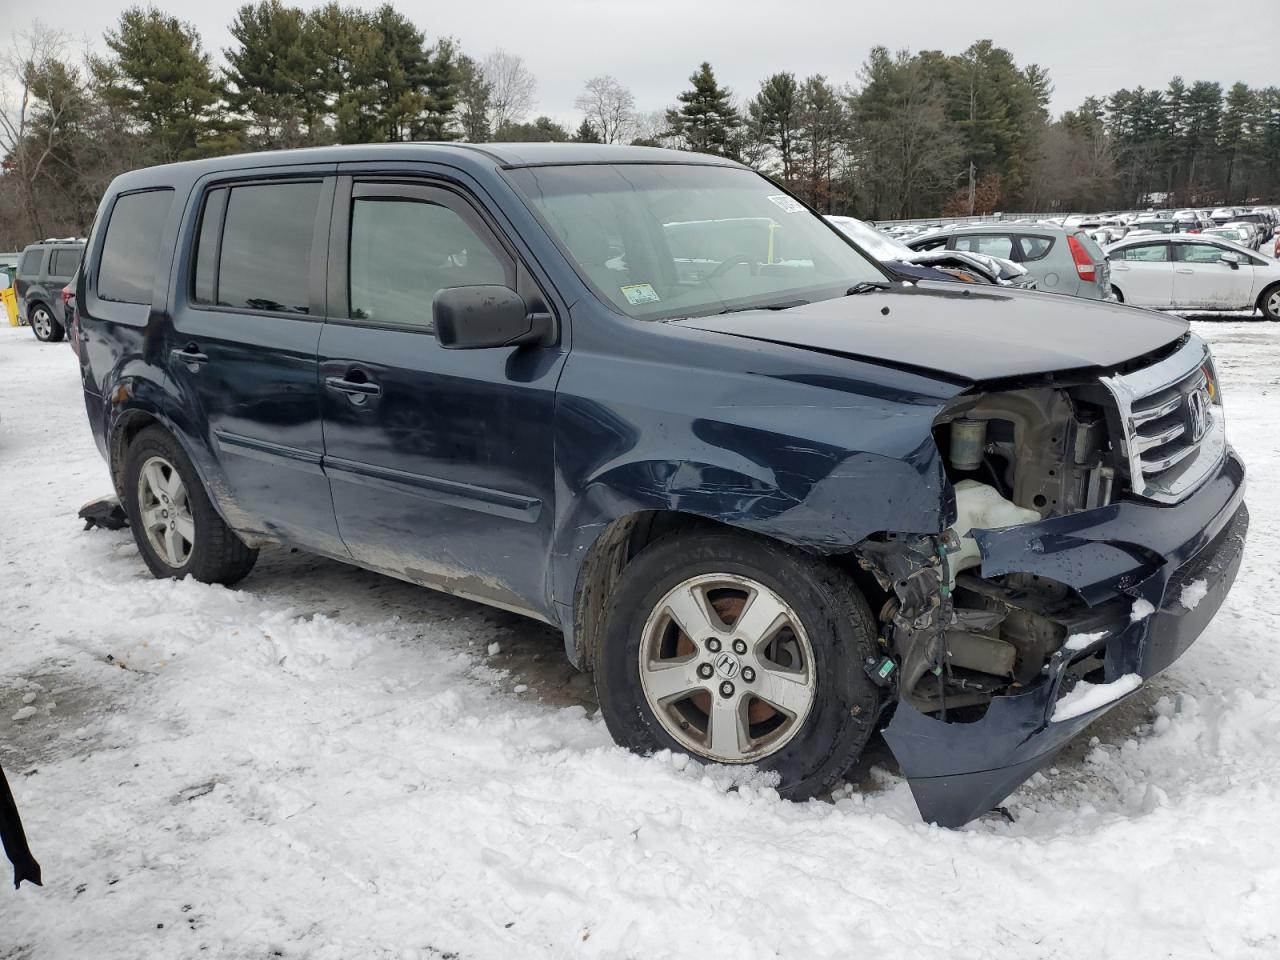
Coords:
31,308
1266,292
130,424
1118,292
618,545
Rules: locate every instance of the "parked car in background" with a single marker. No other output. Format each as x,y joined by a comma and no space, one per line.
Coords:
1151,225
1188,221
44,269
1258,222
1185,272
935,264
1240,234
743,488
1104,230
1060,260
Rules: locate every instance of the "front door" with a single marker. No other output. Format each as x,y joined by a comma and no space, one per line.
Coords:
440,461
242,355
1201,278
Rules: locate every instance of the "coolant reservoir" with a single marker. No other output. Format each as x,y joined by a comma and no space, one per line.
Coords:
979,506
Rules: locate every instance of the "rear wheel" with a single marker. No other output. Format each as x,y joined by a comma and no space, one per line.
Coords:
43,325
176,528
739,650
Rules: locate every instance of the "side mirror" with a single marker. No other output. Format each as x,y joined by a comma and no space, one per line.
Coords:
486,315
1231,259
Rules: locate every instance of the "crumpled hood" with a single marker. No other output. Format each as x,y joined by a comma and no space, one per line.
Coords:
973,333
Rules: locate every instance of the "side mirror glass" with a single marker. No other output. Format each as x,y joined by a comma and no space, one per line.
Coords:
484,316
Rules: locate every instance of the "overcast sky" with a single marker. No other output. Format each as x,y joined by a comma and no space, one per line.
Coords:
1088,46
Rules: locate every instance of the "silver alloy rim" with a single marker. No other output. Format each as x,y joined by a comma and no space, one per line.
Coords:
43,323
1273,304
166,512
727,668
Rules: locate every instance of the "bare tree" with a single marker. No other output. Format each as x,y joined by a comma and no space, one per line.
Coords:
511,87
27,146
609,107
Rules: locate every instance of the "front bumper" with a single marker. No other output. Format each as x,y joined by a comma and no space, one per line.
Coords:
958,771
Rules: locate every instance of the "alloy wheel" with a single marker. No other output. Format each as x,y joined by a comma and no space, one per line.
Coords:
166,512
727,668
42,321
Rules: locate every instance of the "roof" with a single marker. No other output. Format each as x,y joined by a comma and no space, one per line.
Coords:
473,156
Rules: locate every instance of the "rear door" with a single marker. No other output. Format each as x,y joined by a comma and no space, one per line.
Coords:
440,461
242,350
1201,278
1143,272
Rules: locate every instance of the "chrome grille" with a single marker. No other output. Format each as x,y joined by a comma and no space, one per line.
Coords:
1173,434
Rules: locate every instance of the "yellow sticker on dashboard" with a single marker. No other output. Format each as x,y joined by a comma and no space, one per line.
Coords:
638,293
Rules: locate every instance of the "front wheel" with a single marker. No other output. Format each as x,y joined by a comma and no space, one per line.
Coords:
46,329
176,528
1270,303
739,650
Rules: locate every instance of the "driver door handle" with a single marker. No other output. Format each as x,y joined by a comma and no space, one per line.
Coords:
353,388
190,355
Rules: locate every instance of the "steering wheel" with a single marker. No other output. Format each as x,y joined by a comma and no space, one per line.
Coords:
728,263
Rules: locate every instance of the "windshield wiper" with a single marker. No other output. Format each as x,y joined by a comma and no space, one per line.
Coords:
781,305
866,286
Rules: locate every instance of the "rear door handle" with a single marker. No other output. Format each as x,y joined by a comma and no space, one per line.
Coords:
190,355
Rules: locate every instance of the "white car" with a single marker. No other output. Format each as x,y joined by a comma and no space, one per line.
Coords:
1193,272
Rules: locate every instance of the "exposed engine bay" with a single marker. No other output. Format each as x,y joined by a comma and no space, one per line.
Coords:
953,639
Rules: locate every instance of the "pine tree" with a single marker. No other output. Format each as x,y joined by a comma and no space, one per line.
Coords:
586,133
774,116
270,73
160,76
706,120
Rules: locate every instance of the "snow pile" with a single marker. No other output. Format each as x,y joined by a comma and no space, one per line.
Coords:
1085,697
327,764
1141,610
1193,593
1080,641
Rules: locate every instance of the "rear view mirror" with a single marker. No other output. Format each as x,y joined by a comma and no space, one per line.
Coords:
486,315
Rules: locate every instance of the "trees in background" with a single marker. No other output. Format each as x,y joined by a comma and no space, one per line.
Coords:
915,135
608,107
706,121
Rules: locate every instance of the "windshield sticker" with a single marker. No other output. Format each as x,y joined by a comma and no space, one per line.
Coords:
638,293
787,204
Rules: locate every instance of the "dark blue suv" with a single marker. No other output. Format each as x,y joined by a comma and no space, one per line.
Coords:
775,498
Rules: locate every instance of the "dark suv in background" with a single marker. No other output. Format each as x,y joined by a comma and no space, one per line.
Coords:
772,497
43,270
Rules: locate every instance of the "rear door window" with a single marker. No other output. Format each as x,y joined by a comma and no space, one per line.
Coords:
64,263
264,260
993,245
127,268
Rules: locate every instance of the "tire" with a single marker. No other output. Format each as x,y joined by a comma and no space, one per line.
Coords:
809,750
197,543
1115,291
1269,302
43,325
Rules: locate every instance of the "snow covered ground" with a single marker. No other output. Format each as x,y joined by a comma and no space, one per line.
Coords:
326,763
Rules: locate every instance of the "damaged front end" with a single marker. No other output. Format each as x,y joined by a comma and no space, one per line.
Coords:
1085,507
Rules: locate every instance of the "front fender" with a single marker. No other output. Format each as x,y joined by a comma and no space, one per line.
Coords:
813,450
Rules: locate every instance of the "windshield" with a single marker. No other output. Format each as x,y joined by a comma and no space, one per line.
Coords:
659,241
